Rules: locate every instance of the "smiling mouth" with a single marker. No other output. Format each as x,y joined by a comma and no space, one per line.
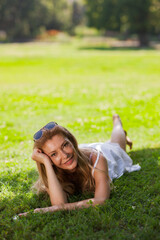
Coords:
68,162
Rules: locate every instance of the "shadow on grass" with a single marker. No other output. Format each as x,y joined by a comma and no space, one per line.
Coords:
147,158
138,190
16,184
120,48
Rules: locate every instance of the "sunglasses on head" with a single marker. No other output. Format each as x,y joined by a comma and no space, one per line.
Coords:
48,126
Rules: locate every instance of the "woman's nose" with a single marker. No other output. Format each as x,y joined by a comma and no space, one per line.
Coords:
64,154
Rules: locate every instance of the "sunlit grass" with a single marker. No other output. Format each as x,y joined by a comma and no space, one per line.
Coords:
80,89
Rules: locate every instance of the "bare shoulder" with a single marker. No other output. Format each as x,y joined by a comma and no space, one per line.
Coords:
100,175
87,151
92,155
102,163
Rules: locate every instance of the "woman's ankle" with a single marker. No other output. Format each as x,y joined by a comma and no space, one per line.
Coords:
116,120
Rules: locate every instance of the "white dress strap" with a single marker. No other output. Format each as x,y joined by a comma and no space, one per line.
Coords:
95,164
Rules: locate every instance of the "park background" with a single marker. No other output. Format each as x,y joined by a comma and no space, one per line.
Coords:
77,63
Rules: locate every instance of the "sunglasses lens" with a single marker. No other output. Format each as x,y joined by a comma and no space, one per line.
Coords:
37,135
50,125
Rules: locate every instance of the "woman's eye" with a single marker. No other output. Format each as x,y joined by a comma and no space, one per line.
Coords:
53,155
66,144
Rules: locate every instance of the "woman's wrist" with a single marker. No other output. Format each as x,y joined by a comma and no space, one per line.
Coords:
47,163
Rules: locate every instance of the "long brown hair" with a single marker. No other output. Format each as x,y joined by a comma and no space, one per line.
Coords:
79,181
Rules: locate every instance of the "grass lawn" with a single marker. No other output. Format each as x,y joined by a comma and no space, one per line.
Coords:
80,88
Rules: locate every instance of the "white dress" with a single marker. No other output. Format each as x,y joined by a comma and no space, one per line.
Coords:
117,159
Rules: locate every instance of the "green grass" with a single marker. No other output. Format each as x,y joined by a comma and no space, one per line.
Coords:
80,88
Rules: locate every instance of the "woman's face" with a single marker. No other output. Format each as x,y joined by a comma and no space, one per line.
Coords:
61,152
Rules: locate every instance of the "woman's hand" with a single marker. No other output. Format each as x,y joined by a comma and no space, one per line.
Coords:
40,157
68,206
41,210
23,214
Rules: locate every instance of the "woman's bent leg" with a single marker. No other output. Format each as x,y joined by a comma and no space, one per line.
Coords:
118,134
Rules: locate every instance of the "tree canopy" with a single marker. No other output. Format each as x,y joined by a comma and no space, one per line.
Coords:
140,17
24,19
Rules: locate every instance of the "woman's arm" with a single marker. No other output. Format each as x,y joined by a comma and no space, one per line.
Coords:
67,206
70,206
102,191
55,191
102,180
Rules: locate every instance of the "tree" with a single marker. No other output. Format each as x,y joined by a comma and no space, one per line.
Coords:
103,14
23,19
155,17
139,18
77,13
114,14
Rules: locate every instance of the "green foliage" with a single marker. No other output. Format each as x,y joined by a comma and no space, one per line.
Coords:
104,14
77,13
155,16
23,20
139,18
80,89
125,15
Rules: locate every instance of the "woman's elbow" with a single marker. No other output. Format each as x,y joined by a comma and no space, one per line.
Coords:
53,203
58,202
100,201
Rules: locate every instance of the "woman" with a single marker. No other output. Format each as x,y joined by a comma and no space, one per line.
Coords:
66,168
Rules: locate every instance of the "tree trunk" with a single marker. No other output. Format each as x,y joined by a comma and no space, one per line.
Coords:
143,39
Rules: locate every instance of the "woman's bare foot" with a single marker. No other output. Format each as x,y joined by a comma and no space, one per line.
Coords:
118,135
116,120
128,140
